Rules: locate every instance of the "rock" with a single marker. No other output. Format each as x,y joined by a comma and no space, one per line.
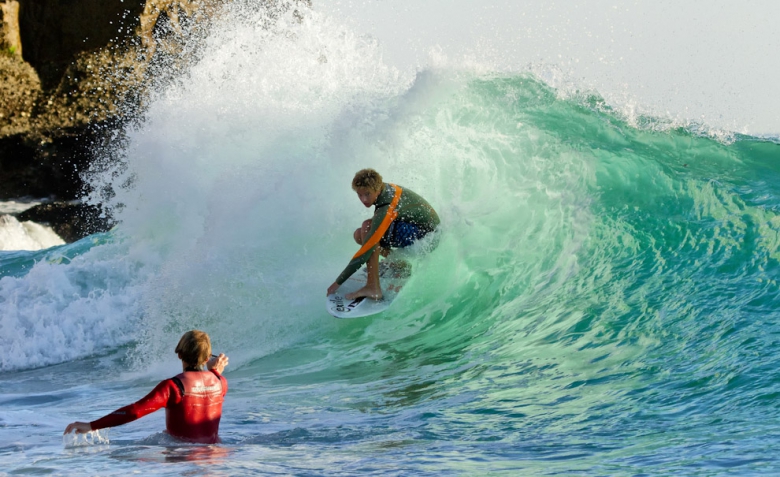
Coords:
72,74
55,32
19,92
70,220
86,73
50,166
10,40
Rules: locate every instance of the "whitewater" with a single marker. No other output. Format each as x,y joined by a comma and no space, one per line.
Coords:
603,299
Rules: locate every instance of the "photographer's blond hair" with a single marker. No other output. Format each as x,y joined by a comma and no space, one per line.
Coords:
367,179
194,348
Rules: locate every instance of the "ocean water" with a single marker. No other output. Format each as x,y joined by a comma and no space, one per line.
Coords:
603,300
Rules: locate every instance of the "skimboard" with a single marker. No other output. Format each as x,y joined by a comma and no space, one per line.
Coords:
392,277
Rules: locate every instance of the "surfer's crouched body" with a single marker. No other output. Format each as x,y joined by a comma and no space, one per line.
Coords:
401,217
192,399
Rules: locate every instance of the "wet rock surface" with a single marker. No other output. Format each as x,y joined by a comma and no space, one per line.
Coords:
70,220
73,75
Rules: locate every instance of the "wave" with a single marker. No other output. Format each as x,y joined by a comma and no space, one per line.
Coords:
578,241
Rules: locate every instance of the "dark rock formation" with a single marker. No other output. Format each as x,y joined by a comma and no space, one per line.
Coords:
73,73
39,166
54,32
71,221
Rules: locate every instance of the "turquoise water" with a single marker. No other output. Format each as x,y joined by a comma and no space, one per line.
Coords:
603,300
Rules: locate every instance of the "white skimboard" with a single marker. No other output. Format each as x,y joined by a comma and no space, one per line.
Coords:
391,279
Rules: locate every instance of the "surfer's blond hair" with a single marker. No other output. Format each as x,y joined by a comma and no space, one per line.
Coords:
194,348
367,179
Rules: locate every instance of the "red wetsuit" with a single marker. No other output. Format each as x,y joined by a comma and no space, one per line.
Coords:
193,406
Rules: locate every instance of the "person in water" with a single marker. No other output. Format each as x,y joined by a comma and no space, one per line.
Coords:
192,399
401,217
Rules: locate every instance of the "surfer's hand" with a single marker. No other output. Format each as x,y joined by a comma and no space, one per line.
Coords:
332,289
79,427
217,363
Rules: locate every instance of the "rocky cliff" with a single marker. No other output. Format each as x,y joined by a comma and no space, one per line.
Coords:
72,73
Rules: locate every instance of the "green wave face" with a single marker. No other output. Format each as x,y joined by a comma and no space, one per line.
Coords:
596,282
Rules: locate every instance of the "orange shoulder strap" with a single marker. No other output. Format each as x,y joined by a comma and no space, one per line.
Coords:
380,231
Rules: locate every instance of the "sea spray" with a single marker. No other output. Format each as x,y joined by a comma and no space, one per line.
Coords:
235,179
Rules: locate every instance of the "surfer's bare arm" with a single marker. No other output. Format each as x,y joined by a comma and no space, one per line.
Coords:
79,427
365,234
217,363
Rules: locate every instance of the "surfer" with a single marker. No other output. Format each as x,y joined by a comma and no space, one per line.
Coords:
401,217
192,399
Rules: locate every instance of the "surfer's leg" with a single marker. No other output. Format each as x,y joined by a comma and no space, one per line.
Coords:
372,288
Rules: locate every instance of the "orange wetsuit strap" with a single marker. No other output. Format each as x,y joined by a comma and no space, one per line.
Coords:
392,213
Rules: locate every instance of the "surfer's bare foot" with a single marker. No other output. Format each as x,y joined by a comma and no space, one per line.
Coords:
367,291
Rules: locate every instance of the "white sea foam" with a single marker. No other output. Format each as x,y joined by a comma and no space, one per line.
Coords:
15,235
63,309
18,205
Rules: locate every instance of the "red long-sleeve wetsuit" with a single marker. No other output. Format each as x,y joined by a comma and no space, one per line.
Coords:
193,406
